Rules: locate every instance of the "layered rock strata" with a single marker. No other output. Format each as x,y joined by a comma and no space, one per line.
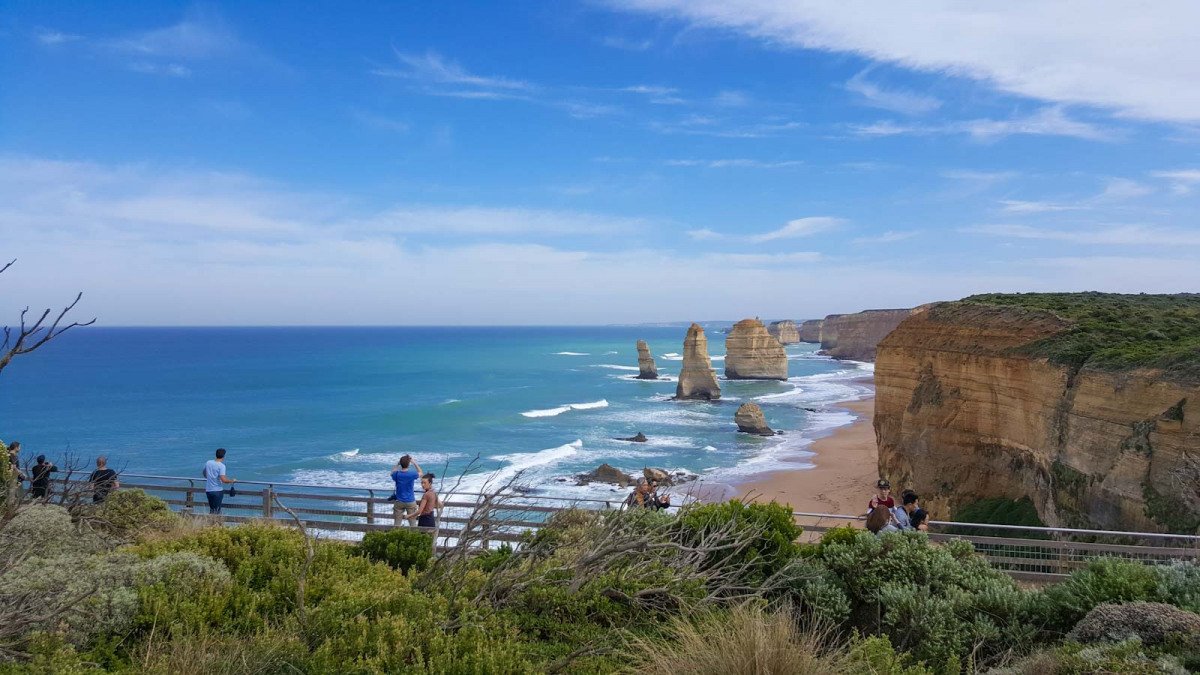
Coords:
785,332
752,354
855,336
810,331
646,368
697,379
750,419
964,412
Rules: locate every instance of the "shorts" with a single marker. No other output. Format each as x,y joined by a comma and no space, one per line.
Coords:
214,501
407,507
426,520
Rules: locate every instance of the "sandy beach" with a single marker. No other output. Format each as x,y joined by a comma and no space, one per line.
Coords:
844,476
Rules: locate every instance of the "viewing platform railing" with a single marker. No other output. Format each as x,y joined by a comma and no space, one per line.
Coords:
1030,553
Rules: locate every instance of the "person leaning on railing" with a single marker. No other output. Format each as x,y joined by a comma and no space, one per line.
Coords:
215,480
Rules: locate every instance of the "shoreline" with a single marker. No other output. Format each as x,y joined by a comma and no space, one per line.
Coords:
838,479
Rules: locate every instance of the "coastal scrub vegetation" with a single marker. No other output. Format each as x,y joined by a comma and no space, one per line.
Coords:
721,588
1113,331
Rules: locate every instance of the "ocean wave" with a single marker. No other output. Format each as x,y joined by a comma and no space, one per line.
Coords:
613,366
451,401
710,448
349,453
635,378
671,356
547,412
429,459
518,463
718,357
602,403
609,353
571,354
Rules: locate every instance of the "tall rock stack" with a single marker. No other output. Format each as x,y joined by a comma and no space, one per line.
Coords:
784,331
646,368
752,354
697,379
810,331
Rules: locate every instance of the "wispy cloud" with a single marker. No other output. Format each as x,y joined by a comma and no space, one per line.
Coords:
740,163
1046,122
53,38
1114,235
896,100
377,121
704,234
202,34
481,220
887,237
432,67
800,227
627,44
732,99
1119,189
168,69
1021,206
1182,181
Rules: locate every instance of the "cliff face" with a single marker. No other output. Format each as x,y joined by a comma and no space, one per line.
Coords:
810,331
752,354
784,331
646,368
697,379
961,414
855,336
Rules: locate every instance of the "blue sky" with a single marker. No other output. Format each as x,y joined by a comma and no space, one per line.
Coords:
596,162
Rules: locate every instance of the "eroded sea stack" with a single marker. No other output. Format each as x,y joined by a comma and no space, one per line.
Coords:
646,368
784,331
855,336
751,420
697,379
810,331
997,396
752,354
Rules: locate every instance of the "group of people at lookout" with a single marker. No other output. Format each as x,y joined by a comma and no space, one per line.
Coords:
884,515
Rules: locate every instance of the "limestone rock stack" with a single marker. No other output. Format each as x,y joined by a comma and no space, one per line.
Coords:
810,331
646,368
697,379
750,419
784,331
752,354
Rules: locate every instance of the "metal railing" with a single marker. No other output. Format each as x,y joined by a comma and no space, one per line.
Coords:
1031,553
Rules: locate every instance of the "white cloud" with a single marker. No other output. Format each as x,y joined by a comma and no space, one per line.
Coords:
432,67
704,234
479,220
732,99
1140,60
1182,181
1115,235
1020,206
200,35
1123,188
53,37
1046,122
800,227
887,237
627,44
896,100
740,163
168,69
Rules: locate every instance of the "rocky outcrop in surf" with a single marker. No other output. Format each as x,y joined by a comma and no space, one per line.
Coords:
605,473
855,336
646,368
752,354
666,478
751,420
637,438
1001,397
784,331
697,379
810,331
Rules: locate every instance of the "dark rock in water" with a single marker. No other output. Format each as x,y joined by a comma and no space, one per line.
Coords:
750,419
605,473
646,368
639,438
667,479
812,410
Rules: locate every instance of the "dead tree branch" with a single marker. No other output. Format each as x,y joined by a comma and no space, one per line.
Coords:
30,336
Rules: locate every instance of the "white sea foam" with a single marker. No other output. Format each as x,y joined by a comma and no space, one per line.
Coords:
429,459
571,354
710,448
349,453
718,357
608,353
672,356
451,401
602,403
547,412
634,378
613,366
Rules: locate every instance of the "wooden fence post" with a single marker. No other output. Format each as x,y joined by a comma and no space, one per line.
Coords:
268,502
371,509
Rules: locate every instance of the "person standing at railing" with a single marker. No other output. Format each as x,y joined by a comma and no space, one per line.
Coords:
14,459
103,480
404,475
39,478
215,481
427,511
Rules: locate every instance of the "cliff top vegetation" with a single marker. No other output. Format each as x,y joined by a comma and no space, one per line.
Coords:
1114,331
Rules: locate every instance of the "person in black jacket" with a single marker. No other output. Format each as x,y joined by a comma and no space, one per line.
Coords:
39,479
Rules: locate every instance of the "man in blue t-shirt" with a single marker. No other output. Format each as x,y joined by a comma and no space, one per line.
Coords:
214,480
404,474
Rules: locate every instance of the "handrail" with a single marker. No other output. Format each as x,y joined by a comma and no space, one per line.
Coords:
1030,528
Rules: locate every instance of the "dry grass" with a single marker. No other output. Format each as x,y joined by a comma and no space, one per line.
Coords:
207,653
748,640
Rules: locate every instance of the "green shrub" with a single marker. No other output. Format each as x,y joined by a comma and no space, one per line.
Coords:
1072,658
874,655
1154,623
127,513
1105,580
401,548
489,560
1179,584
998,511
44,530
771,525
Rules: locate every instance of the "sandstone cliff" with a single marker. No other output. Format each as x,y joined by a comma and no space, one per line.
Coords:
697,379
965,410
855,336
784,331
810,331
646,368
752,354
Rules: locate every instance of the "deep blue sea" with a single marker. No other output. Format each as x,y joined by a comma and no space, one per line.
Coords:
338,406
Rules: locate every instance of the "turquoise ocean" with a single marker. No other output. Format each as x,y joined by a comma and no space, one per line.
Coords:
338,406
